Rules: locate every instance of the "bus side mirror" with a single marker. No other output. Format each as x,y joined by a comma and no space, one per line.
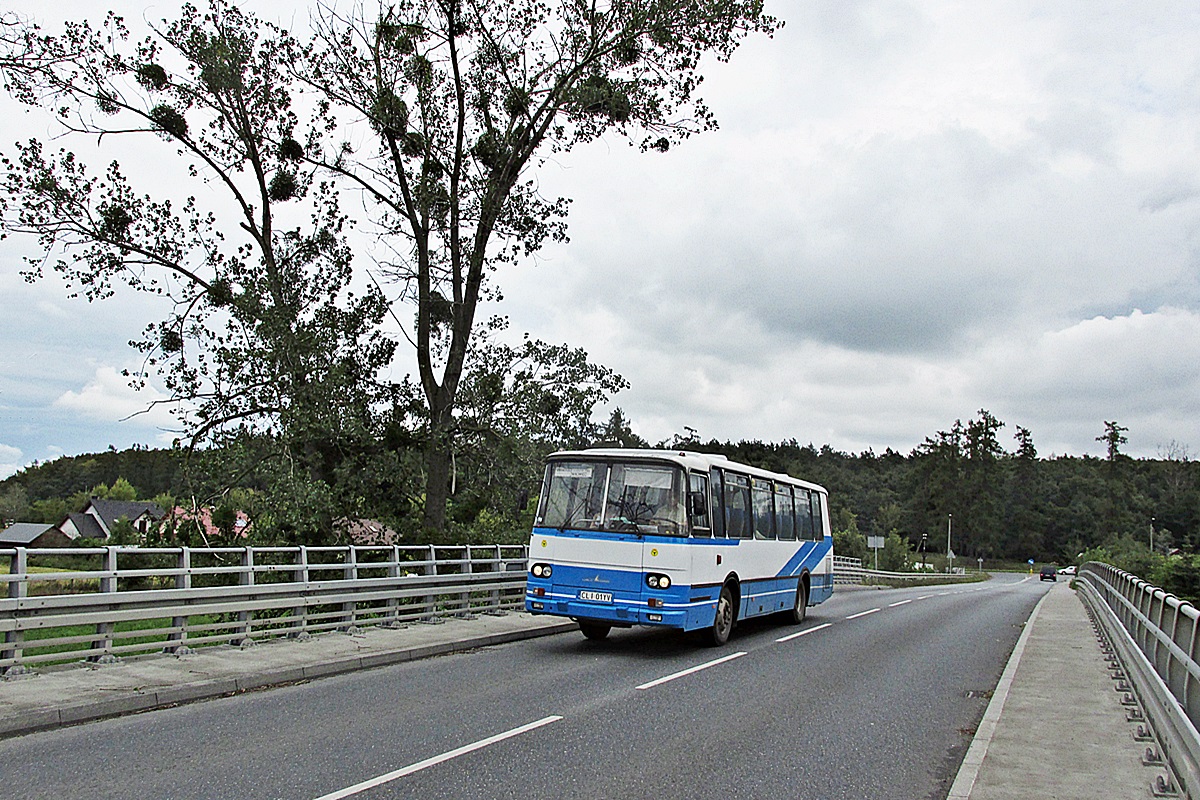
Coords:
698,504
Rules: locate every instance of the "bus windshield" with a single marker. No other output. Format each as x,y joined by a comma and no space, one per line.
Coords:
629,498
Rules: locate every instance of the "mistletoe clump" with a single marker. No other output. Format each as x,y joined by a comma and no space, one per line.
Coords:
169,121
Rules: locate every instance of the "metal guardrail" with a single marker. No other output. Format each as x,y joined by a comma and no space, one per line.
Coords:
1158,639
848,570
100,603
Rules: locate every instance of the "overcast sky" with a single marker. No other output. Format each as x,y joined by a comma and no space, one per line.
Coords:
912,211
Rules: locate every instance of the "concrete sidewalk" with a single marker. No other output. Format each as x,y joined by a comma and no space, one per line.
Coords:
81,692
1056,726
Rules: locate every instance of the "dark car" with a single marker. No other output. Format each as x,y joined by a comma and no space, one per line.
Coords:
1050,574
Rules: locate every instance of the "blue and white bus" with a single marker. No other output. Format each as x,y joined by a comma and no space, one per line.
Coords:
678,539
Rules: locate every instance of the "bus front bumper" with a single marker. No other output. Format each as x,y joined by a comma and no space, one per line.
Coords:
616,613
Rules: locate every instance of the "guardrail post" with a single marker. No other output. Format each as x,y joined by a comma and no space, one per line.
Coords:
391,614
19,566
464,599
429,615
245,619
1189,681
177,639
300,612
104,630
350,573
494,599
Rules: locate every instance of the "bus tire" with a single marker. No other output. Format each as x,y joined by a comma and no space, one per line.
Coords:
722,625
800,610
594,630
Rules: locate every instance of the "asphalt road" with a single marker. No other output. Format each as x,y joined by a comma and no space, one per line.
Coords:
877,697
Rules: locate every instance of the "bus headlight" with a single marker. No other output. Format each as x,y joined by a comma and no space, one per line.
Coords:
658,581
541,570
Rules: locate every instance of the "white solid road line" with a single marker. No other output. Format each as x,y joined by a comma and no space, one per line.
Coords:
430,762
690,671
805,632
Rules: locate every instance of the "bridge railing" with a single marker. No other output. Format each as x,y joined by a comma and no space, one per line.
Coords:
101,603
848,570
1157,636
66,604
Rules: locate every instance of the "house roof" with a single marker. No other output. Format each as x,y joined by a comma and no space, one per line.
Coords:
87,526
22,533
109,511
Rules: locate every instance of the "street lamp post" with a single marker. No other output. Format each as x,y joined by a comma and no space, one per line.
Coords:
949,552
1152,534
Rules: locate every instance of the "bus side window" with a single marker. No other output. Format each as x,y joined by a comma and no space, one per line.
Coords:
764,510
737,507
785,513
804,520
718,512
818,516
698,505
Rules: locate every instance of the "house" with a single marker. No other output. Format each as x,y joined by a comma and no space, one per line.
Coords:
33,534
366,532
98,518
202,521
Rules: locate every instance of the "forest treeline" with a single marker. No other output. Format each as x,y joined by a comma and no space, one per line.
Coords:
1000,503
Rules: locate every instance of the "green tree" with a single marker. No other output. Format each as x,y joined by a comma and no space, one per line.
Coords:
50,511
122,490
123,533
1114,439
981,514
466,100
263,335
1024,519
847,541
896,555
14,504
936,482
617,432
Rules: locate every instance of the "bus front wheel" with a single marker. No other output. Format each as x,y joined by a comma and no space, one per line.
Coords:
722,625
594,631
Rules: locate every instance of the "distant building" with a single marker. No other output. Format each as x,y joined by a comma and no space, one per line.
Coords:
201,522
98,518
366,532
33,534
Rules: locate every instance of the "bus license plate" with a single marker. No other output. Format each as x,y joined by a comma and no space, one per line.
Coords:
596,597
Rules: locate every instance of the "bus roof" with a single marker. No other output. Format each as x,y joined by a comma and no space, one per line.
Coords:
684,458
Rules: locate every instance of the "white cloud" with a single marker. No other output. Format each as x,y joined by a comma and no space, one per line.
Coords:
108,397
1141,370
913,210
11,460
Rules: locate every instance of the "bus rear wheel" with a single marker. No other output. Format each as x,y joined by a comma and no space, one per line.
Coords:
800,609
594,630
722,625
